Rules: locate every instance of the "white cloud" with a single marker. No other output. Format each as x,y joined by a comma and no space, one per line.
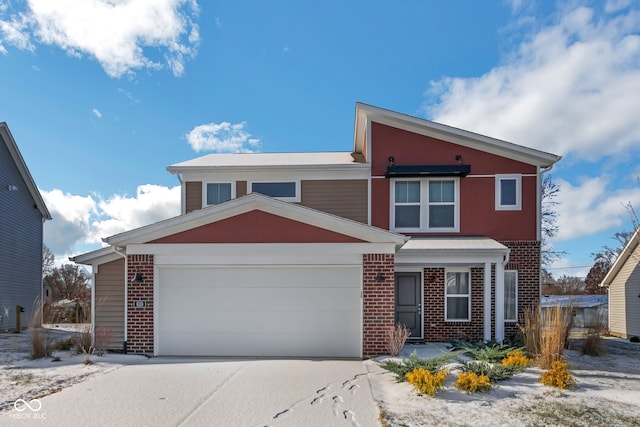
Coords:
115,33
592,206
97,113
223,138
571,87
82,221
612,6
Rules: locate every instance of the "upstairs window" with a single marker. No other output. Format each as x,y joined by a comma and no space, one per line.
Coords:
218,192
283,190
425,205
508,192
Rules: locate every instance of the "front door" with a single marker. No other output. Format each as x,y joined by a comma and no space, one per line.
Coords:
409,302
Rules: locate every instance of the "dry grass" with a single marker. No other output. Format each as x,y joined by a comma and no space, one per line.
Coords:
594,345
40,340
547,337
396,337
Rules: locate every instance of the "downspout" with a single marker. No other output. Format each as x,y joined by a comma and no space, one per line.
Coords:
126,297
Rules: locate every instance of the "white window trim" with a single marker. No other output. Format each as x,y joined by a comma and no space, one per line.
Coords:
505,298
457,270
273,181
424,206
204,190
498,192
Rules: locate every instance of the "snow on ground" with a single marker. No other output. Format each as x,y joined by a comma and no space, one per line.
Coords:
608,394
23,378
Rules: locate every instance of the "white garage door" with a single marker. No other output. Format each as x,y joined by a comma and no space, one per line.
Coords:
260,311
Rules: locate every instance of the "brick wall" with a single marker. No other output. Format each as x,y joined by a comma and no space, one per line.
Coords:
436,328
378,299
525,258
140,320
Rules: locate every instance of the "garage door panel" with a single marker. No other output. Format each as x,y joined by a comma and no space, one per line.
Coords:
259,298
270,322
274,345
241,277
260,311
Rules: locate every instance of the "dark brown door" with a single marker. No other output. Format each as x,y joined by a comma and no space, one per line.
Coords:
409,302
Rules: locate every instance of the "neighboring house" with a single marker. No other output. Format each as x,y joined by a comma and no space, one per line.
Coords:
623,282
588,311
318,254
22,214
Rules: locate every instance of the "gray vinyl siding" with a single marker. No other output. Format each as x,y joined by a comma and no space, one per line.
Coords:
193,196
20,246
347,198
109,298
624,298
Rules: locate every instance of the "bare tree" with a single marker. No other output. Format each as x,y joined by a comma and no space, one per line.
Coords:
549,230
69,281
595,276
48,261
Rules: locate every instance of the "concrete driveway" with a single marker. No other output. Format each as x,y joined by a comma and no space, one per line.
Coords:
214,392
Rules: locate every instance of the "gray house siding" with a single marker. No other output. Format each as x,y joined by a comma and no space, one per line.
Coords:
624,293
20,244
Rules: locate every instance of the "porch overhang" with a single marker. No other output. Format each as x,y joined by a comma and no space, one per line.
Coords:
468,251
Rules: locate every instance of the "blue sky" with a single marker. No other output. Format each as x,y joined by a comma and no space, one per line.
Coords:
101,96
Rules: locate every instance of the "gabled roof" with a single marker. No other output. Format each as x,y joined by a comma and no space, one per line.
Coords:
7,138
631,246
367,113
249,203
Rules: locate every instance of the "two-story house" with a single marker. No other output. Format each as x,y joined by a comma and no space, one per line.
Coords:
22,215
318,254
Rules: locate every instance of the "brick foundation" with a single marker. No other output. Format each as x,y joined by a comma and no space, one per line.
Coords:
378,300
140,320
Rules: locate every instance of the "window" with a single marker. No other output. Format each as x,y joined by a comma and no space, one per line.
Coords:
508,192
425,205
218,192
286,190
511,295
458,296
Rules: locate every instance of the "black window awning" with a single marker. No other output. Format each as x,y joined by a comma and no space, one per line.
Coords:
428,170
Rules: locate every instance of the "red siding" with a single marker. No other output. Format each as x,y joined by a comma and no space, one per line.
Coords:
477,194
257,227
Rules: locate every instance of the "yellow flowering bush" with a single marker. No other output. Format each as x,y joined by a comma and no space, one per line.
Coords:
426,382
558,376
472,382
517,359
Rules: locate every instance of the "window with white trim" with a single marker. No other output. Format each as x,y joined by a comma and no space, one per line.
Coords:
283,190
509,192
511,295
218,192
458,296
427,204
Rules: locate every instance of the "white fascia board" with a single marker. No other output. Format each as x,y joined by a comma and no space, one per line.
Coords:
285,171
448,258
260,253
451,134
96,257
256,202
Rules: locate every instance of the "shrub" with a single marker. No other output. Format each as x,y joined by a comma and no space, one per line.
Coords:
426,382
84,342
396,337
472,382
495,373
65,345
558,376
432,365
593,345
546,340
490,352
517,359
